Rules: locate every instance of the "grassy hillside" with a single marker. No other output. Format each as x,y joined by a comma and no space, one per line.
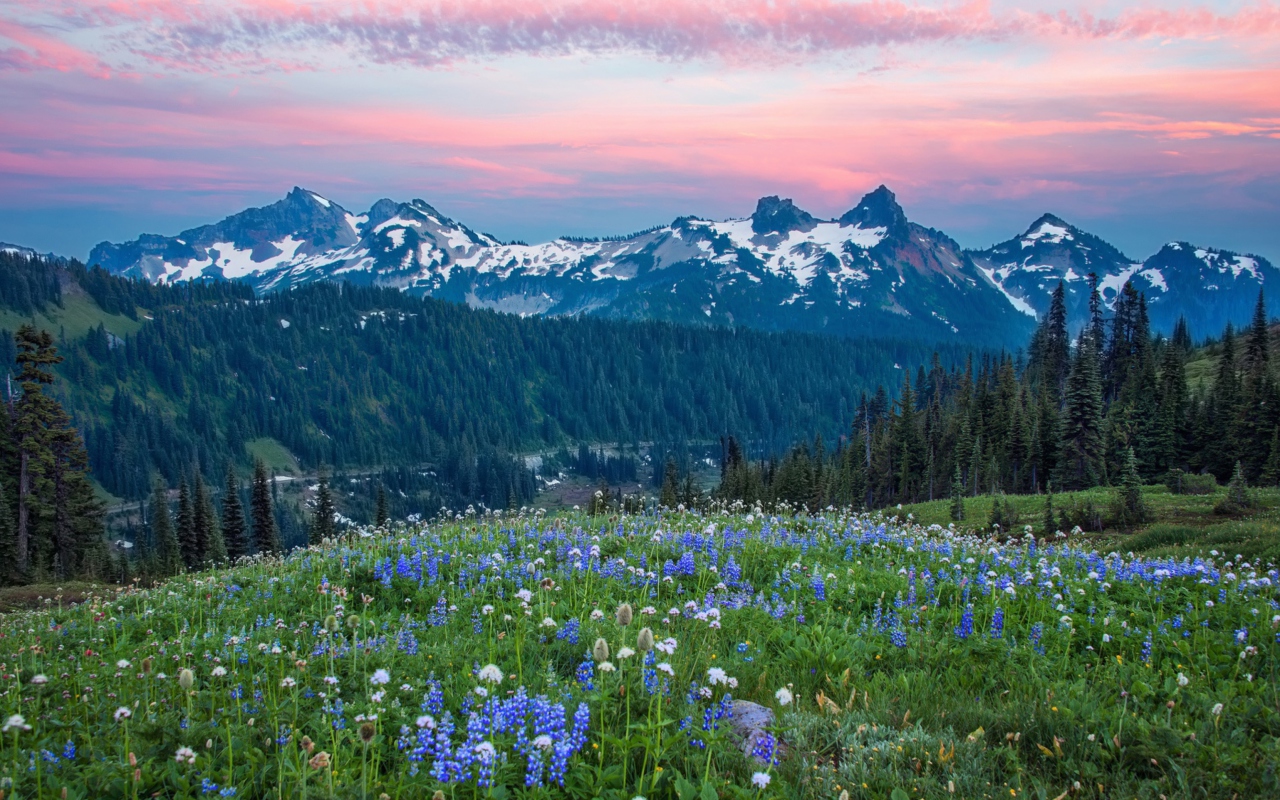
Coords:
76,317
492,657
1181,525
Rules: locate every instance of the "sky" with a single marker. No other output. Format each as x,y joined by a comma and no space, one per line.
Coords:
1140,122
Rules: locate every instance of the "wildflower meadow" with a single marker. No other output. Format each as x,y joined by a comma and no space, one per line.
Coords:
525,655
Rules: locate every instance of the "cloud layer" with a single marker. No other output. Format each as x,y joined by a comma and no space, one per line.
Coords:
614,114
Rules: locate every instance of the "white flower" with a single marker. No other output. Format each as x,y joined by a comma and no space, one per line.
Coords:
185,754
626,652
673,612
667,645
380,677
486,609
288,683
485,752
123,713
784,696
606,666
39,679
597,614
377,696
665,667
715,675
648,611
542,742
1106,637
524,595
490,674
331,680
1217,709
1183,680
122,664
426,721
17,722
760,780
218,671
548,622
481,691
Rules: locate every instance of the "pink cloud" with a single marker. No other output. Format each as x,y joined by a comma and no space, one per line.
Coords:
278,35
33,50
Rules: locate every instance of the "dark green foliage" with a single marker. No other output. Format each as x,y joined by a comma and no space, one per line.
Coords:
209,541
381,514
1080,448
1238,500
56,519
1050,522
957,497
1004,515
1130,509
234,534
186,522
168,553
375,377
322,526
27,284
266,534
1180,482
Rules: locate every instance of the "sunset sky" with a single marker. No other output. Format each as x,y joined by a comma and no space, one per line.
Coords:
1142,122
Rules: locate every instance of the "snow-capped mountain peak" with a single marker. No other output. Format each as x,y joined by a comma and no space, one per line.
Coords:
869,272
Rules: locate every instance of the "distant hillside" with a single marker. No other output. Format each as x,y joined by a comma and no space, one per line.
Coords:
173,378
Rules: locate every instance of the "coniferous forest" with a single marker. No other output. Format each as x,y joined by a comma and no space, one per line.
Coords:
419,391
1102,406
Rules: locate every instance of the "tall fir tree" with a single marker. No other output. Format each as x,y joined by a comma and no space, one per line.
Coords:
266,535
168,555
209,543
322,526
380,513
1080,445
957,496
186,522
234,534
34,416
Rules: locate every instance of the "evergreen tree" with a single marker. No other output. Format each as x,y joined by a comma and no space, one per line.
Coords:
233,524
1049,522
34,417
1080,446
187,528
1131,509
208,539
669,497
213,548
266,535
8,537
168,556
957,497
322,526
1271,470
380,514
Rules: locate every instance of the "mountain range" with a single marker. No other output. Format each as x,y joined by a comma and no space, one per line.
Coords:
870,271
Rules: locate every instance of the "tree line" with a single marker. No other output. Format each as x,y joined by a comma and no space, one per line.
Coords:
1108,406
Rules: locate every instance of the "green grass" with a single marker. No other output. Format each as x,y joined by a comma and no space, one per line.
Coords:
79,314
1180,524
899,661
275,455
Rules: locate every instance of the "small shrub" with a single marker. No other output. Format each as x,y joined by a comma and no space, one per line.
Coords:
1180,482
1238,499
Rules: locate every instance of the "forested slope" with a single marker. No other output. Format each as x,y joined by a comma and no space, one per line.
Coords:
355,376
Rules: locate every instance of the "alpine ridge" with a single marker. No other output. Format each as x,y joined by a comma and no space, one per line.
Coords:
870,271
